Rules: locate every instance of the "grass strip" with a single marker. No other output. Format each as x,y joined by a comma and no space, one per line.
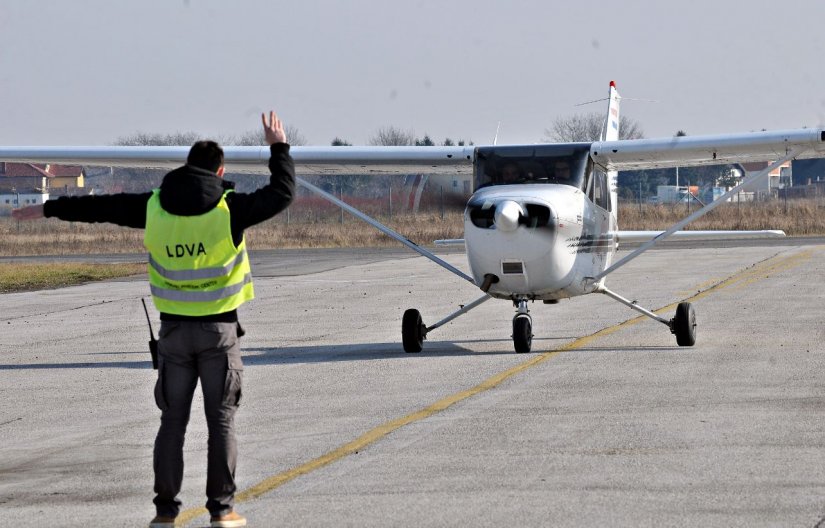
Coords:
17,277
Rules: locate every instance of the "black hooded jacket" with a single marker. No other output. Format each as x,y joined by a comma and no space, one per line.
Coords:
189,191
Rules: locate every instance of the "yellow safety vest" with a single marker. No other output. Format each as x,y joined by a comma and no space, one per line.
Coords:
194,267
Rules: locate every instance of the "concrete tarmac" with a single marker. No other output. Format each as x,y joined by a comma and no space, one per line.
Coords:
607,422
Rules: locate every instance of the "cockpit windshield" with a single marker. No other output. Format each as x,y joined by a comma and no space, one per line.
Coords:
567,164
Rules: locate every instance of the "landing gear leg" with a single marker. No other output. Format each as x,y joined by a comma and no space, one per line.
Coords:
683,324
522,328
413,330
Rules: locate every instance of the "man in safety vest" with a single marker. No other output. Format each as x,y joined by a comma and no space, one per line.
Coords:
199,274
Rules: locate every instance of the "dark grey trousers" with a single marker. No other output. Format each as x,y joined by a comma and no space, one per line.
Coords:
188,351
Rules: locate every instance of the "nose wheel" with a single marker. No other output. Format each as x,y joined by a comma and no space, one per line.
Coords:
522,333
522,328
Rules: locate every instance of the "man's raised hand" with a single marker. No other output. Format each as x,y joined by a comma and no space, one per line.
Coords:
273,129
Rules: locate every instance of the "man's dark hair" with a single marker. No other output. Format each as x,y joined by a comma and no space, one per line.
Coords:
206,155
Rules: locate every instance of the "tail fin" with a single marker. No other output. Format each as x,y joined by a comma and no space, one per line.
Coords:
610,130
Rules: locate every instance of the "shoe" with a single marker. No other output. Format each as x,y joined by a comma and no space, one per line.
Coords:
162,522
230,520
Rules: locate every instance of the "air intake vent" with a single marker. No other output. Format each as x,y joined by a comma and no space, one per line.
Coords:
512,268
537,215
481,216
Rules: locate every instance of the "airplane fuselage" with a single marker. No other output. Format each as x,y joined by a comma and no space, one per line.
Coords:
541,241
541,222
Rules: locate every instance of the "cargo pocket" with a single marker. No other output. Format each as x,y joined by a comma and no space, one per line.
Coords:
232,391
164,350
160,393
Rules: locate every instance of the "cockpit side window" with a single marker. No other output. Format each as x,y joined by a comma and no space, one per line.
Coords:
598,190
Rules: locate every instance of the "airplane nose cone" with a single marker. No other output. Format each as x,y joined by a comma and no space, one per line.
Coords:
507,216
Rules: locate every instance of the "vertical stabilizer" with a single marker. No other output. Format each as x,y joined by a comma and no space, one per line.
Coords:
610,130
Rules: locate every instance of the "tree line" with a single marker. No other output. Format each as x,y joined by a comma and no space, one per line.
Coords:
635,184
385,136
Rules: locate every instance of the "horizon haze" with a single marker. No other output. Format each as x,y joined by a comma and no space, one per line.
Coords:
89,73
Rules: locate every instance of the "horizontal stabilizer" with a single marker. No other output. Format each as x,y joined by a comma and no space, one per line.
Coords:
644,236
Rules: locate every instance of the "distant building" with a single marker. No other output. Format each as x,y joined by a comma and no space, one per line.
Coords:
675,194
66,180
9,201
779,178
22,178
30,178
809,171
809,179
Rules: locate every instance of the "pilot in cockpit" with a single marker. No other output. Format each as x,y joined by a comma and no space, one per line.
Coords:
561,171
510,173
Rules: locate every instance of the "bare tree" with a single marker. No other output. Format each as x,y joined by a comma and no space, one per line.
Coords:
250,138
588,127
142,139
630,128
390,135
256,137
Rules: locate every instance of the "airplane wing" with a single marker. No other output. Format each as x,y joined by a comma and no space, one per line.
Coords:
383,160
684,151
147,157
611,155
308,160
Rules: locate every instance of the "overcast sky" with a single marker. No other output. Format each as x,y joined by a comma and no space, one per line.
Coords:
85,72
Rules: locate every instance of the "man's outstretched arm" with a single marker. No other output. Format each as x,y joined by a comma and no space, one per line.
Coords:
122,209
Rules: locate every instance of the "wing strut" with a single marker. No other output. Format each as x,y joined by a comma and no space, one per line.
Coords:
701,212
464,309
384,229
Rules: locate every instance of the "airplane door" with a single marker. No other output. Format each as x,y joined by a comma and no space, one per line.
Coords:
600,196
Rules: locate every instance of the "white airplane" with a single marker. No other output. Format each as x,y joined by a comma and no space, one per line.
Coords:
541,224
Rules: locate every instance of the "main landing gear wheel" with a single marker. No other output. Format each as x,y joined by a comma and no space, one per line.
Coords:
522,333
684,325
412,331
